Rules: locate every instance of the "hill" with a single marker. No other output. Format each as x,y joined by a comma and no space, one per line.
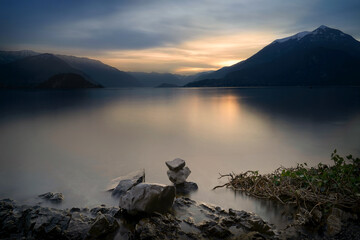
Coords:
30,71
324,56
98,72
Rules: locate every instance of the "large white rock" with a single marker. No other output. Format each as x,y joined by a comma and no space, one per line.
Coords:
121,185
175,164
148,198
180,176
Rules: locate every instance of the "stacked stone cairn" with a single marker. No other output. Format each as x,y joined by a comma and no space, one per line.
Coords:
178,174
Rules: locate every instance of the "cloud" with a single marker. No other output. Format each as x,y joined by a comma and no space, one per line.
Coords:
141,27
202,54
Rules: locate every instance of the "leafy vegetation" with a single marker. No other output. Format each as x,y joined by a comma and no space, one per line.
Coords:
310,188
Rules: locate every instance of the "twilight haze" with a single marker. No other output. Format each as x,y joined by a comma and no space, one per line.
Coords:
166,36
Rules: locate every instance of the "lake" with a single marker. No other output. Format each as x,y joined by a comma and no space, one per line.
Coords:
76,141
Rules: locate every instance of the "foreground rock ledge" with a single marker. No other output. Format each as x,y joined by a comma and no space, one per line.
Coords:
148,198
187,220
119,186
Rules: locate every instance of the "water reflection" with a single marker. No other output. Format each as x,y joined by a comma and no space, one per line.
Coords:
76,141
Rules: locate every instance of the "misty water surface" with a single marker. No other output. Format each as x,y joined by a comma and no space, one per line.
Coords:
75,142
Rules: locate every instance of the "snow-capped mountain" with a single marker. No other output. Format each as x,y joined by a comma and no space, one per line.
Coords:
325,56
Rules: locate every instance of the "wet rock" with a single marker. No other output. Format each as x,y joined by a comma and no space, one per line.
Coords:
317,215
333,225
78,226
186,188
175,164
52,197
148,198
343,215
252,236
187,220
159,227
119,186
103,226
213,230
104,210
45,223
260,226
179,176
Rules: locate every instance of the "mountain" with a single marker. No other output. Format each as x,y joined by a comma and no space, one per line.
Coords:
31,71
154,79
197,76
11,56
67,81
104,74
324,56
95,70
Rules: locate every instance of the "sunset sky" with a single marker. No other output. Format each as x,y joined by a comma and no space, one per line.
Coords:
182,37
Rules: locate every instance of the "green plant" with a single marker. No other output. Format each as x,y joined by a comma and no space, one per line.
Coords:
319,187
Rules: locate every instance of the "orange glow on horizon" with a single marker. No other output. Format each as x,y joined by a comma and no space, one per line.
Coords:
205,54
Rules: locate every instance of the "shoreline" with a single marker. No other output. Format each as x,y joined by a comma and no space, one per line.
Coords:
187,219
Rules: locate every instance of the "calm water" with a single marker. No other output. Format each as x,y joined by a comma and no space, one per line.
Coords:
75,142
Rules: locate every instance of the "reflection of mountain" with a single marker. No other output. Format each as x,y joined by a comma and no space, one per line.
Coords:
26,68
324,56
299,104
167,85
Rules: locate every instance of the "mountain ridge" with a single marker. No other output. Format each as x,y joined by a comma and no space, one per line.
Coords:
93,70
324,53
30,71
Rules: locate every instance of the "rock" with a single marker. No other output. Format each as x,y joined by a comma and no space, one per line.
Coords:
148,198
333,225
214,230
175,164
103,226
78,226
158,227
261,226
53,197
186,188
343,215
317,215
180,176
75,209
187,220
119,186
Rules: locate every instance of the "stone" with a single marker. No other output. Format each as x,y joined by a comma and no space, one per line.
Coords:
78,226
333,225
214,230
158,227
119,186
180,176
176,164
317,215
187,219
52,197
148,198
103,226
186,188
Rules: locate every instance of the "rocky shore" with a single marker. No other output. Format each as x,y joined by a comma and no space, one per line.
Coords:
155,211
187,219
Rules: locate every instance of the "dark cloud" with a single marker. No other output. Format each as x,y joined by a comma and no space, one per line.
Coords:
138,24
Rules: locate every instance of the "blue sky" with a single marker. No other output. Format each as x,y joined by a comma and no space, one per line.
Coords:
164,35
